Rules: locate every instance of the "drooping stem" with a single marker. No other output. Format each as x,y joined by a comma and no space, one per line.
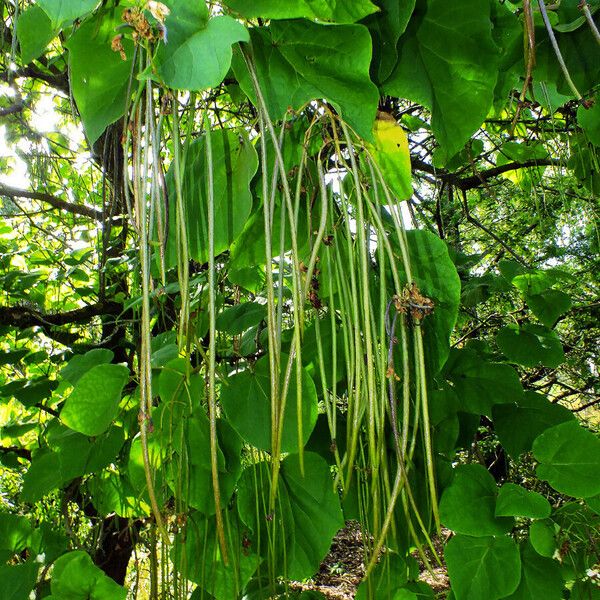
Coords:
212,349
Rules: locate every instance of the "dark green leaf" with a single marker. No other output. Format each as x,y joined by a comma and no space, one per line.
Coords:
35,391
518,424
483,567
99,77
94,401
569,458
337,11
316,512
199,540
299,61
236,319
234,164
246,399
516,501
449,63
468,506
386,27
548,305
18,580
540,577
82,363
479,384
541,536
531,345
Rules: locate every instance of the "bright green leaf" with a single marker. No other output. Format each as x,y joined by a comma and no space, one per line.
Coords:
436,277
569,458
531,345
99,77
197,55
61,12
34,31
380,584
196,553
14,535
468,505
516,501
336,11
246,399
299,61
76,577
589,120
94,401
482,567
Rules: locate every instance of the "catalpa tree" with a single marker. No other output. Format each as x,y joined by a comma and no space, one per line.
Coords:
269,267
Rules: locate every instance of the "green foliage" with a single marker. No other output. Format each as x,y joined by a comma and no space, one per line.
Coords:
240,309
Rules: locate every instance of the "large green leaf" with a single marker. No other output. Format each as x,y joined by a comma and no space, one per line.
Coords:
70,455
94,401
548,305
482,567
76,577
197,557
386,27
234,164
308,512
436,277
61,12
516,501
588,118
197,54
337,11
540,577
18,580
519,423
316,512
99,77
481,384
246,399
34,32
449,62
190,473
236,319
542,537
468,505
530,345
82,363
113,493
299,61
14,535
569,458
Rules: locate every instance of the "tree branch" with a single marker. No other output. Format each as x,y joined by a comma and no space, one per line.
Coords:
76,209
469,183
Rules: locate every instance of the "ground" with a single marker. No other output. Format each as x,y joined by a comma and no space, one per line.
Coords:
343,568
